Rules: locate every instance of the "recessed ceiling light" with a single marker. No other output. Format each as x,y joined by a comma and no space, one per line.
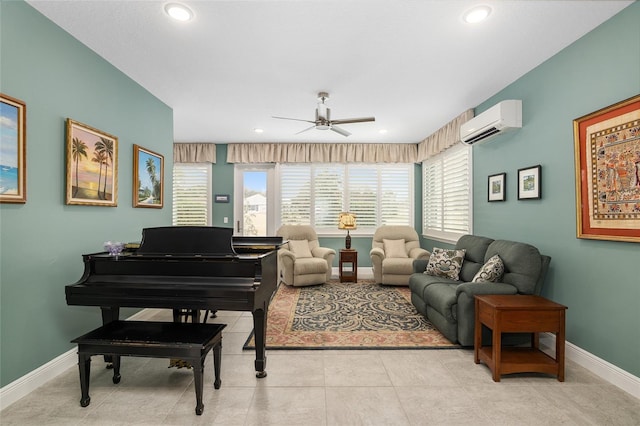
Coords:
178,11
258,130
382,131
477,14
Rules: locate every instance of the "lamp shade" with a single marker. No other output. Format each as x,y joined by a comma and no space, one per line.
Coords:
347,221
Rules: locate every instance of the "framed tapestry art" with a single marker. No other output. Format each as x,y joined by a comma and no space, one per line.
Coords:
607,167
92,166
13,160
496,187
529,183
148,178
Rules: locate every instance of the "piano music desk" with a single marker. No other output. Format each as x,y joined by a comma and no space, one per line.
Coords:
188,341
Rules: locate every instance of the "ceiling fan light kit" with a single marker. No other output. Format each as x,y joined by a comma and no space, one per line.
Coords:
323,119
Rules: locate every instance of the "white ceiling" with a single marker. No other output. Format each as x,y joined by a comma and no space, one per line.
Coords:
413,64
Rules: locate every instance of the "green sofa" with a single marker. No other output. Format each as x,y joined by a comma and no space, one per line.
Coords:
449,305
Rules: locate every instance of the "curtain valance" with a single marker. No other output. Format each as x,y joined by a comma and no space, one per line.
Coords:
194,153
445,137
321,153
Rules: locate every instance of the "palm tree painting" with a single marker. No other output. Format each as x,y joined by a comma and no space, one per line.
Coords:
91,166
148,178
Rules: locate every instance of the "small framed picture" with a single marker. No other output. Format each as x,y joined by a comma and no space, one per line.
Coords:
529,183
496,187
222,198
13,159
92,166
148,178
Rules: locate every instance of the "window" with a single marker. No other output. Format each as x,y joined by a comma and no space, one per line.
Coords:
192,194
446,194
315,194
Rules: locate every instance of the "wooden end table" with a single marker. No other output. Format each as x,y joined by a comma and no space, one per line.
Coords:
348,257
519,314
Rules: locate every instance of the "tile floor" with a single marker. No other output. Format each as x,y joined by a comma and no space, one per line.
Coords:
367,387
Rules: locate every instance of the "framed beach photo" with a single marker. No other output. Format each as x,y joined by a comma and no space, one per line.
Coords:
13,159
607,170
148,178
529,183
92,166
496,187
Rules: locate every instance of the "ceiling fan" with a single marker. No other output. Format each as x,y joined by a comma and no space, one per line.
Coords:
323,119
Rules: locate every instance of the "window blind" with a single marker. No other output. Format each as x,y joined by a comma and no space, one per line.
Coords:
192,194
446,183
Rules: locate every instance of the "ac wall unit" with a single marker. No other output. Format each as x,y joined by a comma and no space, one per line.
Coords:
500,118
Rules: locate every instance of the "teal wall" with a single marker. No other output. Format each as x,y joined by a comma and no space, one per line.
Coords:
42,241
597,280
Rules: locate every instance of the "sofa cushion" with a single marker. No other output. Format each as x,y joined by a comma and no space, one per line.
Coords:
397,266
475,247
300,248
442,298
310,265
445,263
491,271
522,264
395,248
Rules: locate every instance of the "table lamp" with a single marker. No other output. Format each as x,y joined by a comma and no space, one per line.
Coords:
347,221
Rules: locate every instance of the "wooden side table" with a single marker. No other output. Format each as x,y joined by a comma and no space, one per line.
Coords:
519,314
349,258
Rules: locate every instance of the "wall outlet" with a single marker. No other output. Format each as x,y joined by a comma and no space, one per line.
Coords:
226,219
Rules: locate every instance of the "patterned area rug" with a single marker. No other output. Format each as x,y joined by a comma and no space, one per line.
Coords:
361,315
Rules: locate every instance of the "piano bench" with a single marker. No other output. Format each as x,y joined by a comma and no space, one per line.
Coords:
187,341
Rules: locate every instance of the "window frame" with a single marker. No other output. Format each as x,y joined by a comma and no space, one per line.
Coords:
208,192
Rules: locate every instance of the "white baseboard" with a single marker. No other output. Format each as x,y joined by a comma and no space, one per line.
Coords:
365,273
22,386
605,370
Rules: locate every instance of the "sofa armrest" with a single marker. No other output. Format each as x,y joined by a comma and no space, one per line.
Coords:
473,289
420,265
286,255
377,252
419,253
323,252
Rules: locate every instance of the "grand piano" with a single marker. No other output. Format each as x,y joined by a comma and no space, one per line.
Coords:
185,268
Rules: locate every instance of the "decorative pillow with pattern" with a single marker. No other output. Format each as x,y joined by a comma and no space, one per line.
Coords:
445,263
300,248
394,248
491,272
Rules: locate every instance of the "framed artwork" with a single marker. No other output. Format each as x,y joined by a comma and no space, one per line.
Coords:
529,180
92,166
496,186
148,178
13,141
607,166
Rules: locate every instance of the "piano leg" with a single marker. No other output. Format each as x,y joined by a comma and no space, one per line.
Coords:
109,314
260,332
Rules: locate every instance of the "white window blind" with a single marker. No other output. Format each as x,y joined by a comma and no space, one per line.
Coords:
446,189
315,194
192,194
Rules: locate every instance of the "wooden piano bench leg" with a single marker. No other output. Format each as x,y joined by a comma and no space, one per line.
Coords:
84,364
198,378
116,369
217,361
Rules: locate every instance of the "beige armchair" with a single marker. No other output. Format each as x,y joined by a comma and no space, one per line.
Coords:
302,261
394,248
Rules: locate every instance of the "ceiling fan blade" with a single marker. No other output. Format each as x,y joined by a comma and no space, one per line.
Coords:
339,130
308,128
354,120
294,119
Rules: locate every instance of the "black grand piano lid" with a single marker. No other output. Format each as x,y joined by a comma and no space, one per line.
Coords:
186,240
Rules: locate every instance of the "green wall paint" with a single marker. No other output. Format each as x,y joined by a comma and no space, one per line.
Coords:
597,280
42,241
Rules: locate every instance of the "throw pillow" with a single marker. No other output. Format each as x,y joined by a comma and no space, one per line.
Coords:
300,248
445,263
394,248
490,272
